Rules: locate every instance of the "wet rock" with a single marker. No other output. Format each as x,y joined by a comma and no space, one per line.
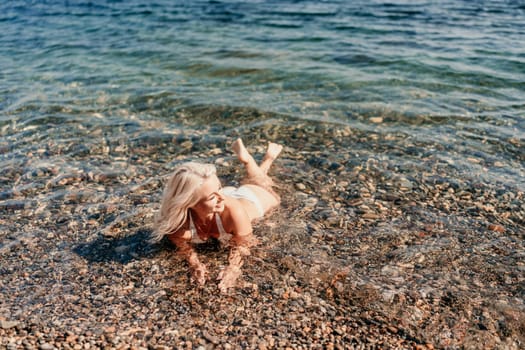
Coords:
13,205
211,338
496,228
5,324
300,186
310,202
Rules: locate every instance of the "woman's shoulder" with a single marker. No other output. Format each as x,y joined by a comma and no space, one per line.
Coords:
234,214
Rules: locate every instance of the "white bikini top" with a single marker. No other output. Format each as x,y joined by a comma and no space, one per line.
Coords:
224,236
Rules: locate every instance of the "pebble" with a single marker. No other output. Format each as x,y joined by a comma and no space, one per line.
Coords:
4,324
497,228
211,338
310,202
300,186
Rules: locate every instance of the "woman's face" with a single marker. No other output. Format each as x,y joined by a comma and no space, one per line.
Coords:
211,201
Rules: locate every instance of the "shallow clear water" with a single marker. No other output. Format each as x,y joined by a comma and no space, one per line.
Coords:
425,87
452,73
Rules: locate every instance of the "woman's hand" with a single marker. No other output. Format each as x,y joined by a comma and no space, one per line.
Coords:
228,277
200,274
198,270
231,273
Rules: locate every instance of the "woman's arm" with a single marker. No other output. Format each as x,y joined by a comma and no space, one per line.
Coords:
239,225
198,270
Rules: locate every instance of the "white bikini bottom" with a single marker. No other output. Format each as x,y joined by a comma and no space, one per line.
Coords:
246,193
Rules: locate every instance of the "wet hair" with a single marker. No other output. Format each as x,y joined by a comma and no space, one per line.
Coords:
179,196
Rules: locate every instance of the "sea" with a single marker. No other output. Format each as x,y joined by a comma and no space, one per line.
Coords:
452,72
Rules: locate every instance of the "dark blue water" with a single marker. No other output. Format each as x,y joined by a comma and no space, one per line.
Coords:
451,73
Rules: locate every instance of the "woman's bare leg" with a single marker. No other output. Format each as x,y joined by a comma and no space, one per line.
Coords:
252,169
272,153
258,175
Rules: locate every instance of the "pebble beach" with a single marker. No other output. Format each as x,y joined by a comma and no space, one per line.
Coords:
360,255
402,223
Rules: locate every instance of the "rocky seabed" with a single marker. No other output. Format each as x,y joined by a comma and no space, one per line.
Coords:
382,242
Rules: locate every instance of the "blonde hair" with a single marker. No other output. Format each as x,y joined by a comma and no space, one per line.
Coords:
179,196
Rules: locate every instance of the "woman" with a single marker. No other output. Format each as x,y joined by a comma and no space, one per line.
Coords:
195,208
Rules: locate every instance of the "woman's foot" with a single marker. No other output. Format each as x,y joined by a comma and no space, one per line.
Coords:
246,158
241,151
273,151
